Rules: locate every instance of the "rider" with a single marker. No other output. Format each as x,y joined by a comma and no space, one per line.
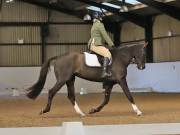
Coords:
98,38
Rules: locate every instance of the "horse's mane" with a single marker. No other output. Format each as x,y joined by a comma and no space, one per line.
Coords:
122,48
129,45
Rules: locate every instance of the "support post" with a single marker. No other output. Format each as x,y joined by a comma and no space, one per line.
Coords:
149,38
117,33
114,28
44,34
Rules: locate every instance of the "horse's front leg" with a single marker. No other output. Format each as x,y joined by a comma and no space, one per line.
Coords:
124,86
108,89
71,95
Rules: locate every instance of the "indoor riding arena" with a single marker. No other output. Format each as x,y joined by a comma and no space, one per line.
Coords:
49,86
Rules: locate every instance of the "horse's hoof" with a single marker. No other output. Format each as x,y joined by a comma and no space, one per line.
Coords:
41,112
83,115
139,113
93,110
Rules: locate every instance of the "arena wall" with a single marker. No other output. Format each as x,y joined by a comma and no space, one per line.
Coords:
17,12
64,37
64,33
131,32
153,78
166,37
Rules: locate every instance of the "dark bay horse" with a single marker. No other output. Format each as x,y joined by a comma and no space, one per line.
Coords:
70,65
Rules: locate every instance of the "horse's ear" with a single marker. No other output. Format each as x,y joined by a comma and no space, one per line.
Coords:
145,45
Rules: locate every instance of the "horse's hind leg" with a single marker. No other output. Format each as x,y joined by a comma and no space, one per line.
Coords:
71,95
108,89
51,94
125,88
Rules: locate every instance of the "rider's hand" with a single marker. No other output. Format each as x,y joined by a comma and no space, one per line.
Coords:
113,47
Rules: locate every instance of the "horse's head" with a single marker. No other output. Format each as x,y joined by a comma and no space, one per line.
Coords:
140,56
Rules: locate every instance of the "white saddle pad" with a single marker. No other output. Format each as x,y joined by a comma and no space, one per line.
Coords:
91,60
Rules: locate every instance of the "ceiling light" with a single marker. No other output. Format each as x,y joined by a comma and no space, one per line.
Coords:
133,2
95,9
9,1
87,17
123,9
111,5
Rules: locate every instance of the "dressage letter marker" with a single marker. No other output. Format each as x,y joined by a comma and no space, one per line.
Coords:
73,128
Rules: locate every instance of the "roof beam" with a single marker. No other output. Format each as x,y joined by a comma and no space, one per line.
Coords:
54,6
137,19
163,7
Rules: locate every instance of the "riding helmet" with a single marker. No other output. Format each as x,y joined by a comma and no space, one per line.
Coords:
97,15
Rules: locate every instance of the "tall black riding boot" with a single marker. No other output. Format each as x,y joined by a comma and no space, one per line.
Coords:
105,73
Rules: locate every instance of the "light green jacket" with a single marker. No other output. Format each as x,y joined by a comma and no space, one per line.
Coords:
99,34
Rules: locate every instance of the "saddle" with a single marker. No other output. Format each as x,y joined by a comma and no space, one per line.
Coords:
94,60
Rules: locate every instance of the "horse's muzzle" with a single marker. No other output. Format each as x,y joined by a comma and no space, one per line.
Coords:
141,67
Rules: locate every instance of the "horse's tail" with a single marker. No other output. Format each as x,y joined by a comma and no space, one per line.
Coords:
36,89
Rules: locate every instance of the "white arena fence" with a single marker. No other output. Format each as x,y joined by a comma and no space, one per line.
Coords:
77,128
